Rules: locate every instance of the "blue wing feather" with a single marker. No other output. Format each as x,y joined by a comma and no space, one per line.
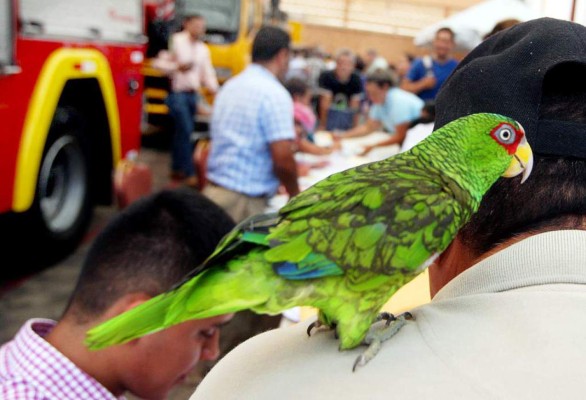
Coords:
313,266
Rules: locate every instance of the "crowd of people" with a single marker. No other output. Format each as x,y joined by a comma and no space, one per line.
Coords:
348,95
506,317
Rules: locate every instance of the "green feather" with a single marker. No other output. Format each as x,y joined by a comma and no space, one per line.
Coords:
373,199
294,251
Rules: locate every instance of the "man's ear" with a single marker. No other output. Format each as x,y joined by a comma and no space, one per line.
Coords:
283,54
125,303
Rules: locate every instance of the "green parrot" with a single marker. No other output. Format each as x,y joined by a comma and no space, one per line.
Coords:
346,244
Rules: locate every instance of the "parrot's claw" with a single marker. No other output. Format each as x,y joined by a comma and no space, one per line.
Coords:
377,335
317,325
314,324
387,317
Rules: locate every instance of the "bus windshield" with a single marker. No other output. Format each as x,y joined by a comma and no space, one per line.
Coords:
222,16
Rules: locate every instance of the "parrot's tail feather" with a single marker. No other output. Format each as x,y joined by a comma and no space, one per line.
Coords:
213,292
136,323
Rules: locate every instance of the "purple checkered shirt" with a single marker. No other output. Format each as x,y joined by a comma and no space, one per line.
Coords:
32,369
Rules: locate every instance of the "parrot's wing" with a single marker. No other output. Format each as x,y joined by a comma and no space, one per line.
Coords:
247,234
384,217
257,224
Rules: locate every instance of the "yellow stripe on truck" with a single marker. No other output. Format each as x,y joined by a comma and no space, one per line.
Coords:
61,66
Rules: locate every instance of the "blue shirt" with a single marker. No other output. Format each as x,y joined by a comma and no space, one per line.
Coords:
251,110
440,71
399,107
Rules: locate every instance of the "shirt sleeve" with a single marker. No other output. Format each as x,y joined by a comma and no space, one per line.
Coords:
277,117
417,70
208,73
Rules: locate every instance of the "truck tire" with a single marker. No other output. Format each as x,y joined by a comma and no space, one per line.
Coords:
63,206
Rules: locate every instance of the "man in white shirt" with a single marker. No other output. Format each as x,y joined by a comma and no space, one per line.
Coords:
193,70
507,316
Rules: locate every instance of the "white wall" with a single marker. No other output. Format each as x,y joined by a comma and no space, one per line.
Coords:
561,9
109,20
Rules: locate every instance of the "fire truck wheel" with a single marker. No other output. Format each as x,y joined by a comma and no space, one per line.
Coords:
63,207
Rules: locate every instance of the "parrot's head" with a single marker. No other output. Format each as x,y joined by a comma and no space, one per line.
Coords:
510,135
482,148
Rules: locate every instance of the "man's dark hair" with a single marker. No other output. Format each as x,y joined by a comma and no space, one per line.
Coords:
448,30
427,114
189,17
554,196
268,42
148,248
501,26
381,77
296,87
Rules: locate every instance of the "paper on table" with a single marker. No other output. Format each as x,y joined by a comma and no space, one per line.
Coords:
347,157
323,138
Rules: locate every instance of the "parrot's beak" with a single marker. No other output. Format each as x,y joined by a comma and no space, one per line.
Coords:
522,161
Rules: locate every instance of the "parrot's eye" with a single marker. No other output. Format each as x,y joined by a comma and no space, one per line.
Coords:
505,134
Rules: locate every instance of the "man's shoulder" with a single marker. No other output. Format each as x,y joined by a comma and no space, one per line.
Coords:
401,95
453,61
448,64
179,36
253,76
286,363
248,93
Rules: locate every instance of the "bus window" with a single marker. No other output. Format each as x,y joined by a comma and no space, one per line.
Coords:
222,18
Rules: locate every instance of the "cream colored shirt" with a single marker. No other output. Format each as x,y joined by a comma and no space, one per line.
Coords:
184,51
511,327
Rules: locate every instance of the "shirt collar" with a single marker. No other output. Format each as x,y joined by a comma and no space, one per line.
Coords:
259,69
545,258
46,366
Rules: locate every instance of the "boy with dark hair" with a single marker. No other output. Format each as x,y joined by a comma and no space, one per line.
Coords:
144,251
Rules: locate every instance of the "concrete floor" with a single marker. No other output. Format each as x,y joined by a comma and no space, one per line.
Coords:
45,294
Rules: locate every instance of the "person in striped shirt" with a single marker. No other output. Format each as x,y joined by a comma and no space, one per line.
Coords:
143,251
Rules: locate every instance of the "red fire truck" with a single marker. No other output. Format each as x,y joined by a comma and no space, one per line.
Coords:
70,110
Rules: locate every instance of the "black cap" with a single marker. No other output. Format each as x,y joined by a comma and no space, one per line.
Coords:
505,75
